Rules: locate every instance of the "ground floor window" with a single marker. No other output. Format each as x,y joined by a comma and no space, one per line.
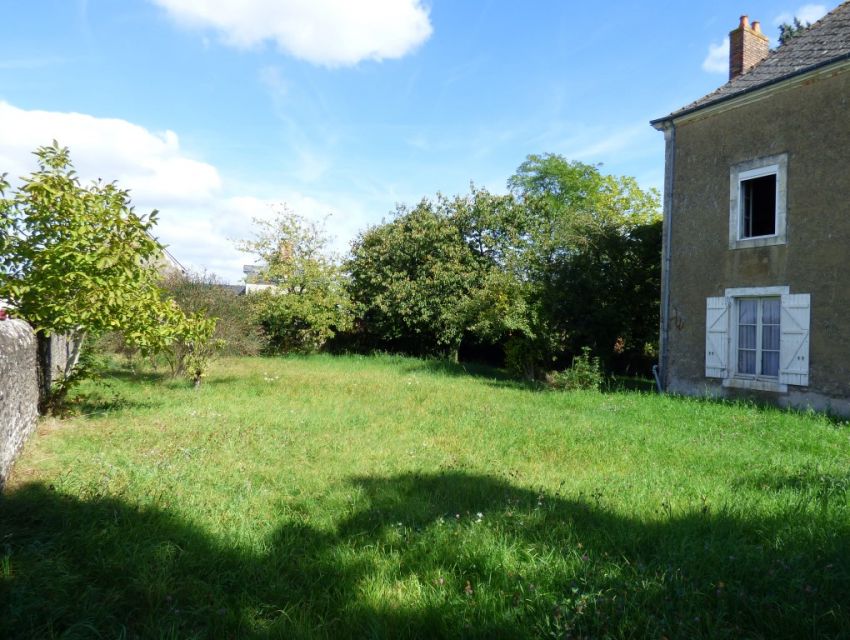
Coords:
758,336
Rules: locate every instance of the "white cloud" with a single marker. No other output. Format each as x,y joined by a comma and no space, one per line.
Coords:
150,164
717,60
326,32
608,145
199,219
808,13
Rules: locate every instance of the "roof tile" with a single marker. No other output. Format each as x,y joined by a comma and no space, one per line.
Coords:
826,41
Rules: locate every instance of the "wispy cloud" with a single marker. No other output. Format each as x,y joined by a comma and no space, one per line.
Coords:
808,13
273,81
717,59
616,142
419,141
32,63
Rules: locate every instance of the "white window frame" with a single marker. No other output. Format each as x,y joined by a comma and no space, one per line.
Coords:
738,174
734,354
748,380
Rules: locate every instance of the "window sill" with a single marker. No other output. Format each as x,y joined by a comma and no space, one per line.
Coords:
761,241
754,384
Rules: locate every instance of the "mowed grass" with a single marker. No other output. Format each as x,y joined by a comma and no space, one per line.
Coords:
387,497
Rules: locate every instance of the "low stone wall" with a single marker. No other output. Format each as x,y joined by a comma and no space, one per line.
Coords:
18,391
53,353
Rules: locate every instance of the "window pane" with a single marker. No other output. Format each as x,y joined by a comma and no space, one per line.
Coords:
747,362
748,311
770,312
758,206
770,363
746,337
770,337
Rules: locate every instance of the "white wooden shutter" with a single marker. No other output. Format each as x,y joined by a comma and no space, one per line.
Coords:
794,339
716,337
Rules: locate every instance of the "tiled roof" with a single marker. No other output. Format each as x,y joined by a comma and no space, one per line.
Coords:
826,41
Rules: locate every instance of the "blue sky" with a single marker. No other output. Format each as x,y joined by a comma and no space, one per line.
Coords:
217,111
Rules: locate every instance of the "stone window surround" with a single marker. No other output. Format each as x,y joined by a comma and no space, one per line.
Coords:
777,163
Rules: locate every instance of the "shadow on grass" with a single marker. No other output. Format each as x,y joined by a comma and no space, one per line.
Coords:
500,378
91,404
620,384
165,378
808,483
494,377
145,377
475,556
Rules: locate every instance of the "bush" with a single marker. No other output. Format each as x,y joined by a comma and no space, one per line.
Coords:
521,357
235,325
308,304
301,322
586,373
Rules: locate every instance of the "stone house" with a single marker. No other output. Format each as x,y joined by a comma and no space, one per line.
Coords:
756,258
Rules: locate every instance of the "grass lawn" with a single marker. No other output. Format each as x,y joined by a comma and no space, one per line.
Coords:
388,497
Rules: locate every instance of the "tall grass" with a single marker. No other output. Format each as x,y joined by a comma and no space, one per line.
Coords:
389,497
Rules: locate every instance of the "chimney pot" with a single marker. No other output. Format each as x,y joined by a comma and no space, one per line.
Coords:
747,47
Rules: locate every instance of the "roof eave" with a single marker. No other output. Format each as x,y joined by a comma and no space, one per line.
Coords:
662,123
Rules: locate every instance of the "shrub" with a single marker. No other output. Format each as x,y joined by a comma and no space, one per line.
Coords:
586,373
308,303
204,292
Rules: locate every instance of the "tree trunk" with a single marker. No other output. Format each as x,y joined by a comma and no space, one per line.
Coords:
76,341
453,353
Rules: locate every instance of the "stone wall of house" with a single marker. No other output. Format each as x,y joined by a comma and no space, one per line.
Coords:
18,391
808,123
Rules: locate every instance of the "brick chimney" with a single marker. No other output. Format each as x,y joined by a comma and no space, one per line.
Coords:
747,47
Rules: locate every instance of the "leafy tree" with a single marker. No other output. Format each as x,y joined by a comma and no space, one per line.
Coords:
438,272
79,261
789,31
609,295
308,303
588,252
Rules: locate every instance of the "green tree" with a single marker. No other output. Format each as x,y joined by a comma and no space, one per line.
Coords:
589,245
79,261
436,273
609,297
307,303
789,31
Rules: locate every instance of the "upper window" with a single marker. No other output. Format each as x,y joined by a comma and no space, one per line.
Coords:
757,202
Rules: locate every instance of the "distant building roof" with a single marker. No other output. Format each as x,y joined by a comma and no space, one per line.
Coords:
238,289
173,262
825,42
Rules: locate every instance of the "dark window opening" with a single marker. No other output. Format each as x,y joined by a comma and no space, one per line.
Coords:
758,203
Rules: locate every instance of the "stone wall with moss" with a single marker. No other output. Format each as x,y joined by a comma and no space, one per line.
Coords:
18,391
